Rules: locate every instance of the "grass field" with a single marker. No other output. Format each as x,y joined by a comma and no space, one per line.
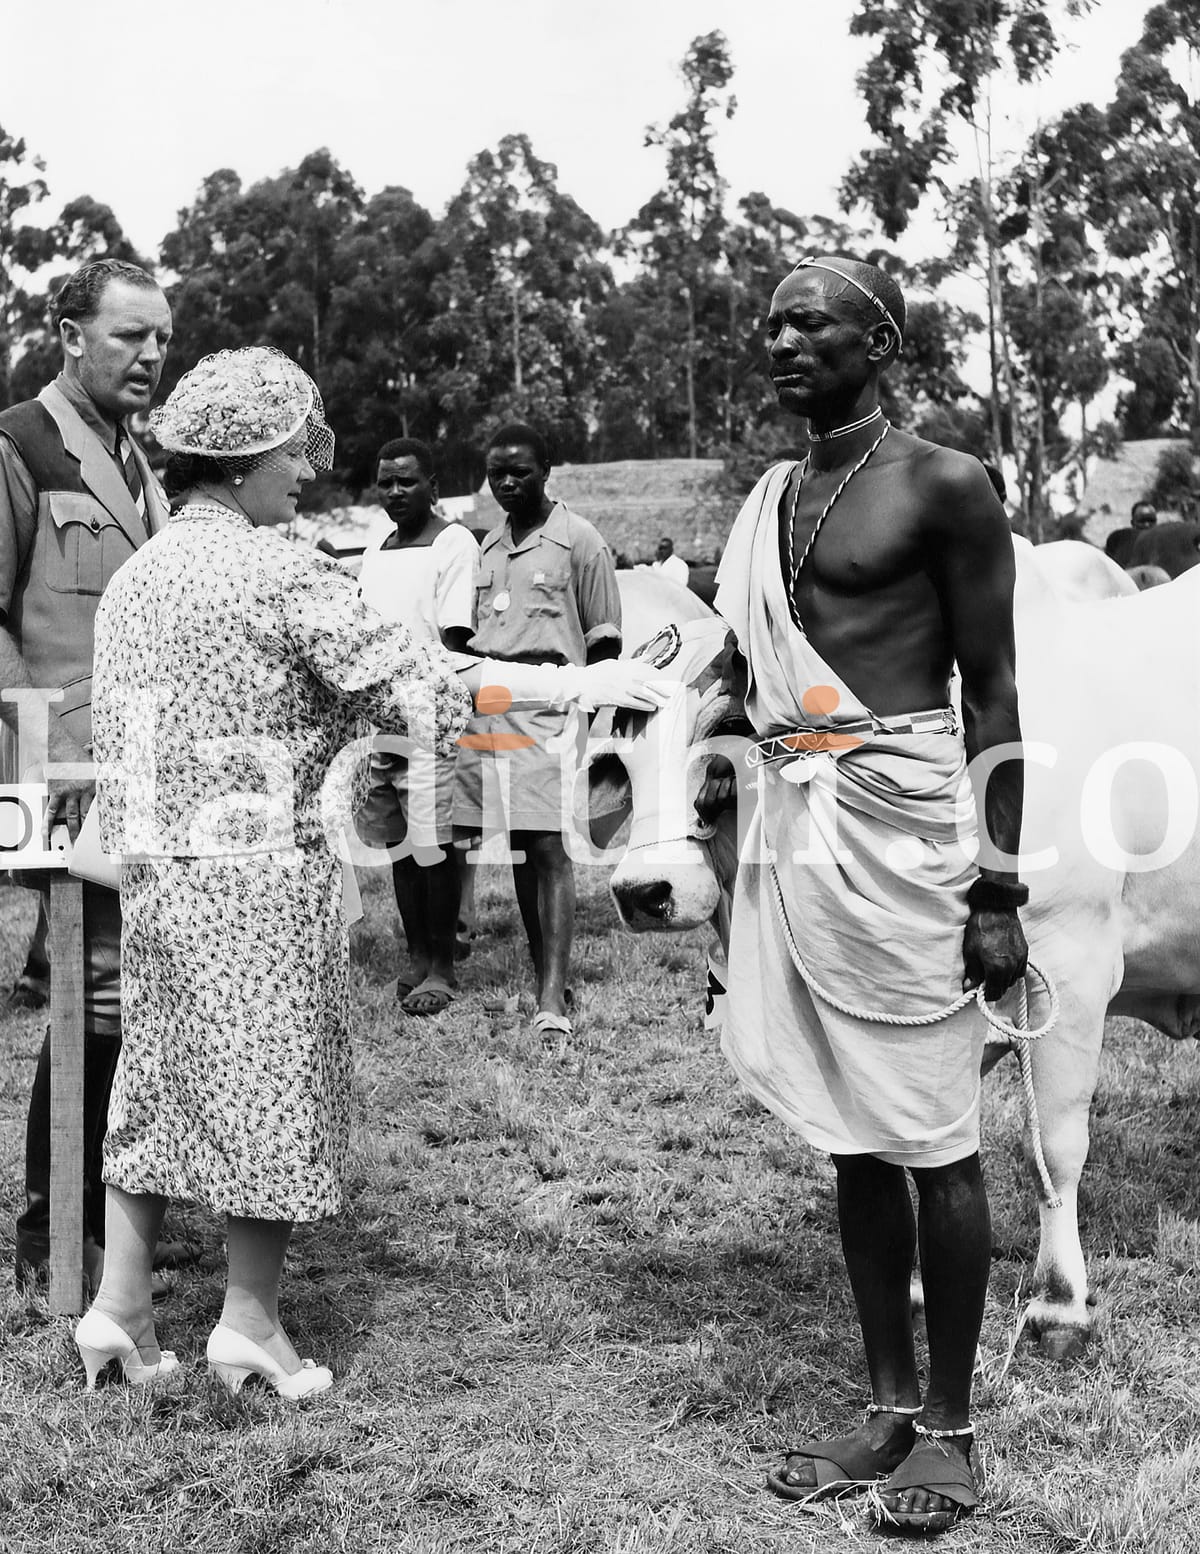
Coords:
584,1292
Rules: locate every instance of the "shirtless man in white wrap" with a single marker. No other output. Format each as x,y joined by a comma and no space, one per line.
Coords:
855,582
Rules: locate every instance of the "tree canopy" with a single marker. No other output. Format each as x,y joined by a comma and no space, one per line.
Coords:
1084,247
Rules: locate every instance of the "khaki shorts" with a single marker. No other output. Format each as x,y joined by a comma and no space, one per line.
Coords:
409,801
520,783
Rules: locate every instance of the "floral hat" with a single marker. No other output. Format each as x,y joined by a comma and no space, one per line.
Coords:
242,404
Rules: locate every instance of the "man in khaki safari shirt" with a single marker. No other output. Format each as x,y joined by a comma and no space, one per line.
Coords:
546,593
77,498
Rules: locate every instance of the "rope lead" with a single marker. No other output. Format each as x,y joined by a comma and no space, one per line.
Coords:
1018,1036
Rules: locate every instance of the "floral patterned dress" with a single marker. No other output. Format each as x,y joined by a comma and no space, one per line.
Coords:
236,677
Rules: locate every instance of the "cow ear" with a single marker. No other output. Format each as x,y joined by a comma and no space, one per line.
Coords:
610,797
735,676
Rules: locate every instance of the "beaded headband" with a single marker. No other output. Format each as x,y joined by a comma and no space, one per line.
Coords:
813,263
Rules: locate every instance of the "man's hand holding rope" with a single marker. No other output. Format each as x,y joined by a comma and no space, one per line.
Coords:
994,948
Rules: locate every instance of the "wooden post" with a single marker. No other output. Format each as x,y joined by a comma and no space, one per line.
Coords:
66,1093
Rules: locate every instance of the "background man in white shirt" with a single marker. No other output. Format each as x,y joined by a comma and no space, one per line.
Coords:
668,563
422,574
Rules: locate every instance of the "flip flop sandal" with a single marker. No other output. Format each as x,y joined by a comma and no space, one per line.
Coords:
432,987
544,1021
846,1466
937,1470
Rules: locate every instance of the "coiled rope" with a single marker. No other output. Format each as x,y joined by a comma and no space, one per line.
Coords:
1018,1036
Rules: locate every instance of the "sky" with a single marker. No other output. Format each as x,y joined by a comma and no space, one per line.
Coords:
135,105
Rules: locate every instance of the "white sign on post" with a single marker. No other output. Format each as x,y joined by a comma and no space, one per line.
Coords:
22,811
22,808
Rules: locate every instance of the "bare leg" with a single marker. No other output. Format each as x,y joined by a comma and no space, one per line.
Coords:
443,894
257,1248
437,888
466,891
410,899
955,1231
525,882
878,1242
545,885
955,1234
132,1224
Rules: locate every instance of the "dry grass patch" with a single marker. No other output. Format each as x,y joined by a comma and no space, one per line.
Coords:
585,1291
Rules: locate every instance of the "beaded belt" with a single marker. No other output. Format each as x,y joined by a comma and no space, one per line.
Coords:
817,741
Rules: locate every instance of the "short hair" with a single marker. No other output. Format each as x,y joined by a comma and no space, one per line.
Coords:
1143,505
518,434
868,279
409,448
184,471
78,298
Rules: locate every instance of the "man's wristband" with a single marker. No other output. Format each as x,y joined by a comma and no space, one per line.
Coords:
997,895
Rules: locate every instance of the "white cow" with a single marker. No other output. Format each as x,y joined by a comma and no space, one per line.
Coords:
1078,572
649,601
1110,714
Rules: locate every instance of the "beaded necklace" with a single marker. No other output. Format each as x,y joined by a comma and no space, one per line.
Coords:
796,567
844,431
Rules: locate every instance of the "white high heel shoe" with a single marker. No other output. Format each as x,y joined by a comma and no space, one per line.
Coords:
234,1358
100,1341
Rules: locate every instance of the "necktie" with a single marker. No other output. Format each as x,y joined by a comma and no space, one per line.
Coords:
132,478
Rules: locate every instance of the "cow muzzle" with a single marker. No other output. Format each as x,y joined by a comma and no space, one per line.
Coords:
665,887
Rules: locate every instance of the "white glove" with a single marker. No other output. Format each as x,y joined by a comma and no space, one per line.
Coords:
614,682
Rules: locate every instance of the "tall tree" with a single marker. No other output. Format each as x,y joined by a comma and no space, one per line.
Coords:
23,247
257,265
380,378
969,48
523,265
678,234
87,229
1059,293
1146,194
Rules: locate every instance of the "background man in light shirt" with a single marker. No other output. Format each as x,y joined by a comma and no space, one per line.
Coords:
423,575
668,563
546,593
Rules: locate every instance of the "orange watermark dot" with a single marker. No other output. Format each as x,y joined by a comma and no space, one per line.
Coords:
490,701
821,701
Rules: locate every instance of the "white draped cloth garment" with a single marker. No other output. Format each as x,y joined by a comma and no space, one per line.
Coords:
873,849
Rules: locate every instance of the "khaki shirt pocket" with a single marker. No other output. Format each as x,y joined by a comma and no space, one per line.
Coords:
83,544
483,594
548,590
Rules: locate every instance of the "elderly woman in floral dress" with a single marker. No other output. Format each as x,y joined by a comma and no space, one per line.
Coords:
235,677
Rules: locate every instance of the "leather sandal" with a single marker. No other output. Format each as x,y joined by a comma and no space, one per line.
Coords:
431,996
937,1469
845,1466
